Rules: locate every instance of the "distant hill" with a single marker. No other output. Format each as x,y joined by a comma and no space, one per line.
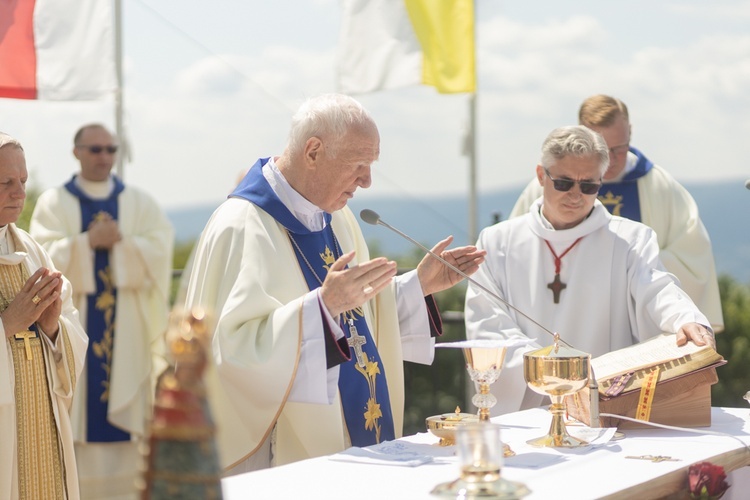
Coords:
724,208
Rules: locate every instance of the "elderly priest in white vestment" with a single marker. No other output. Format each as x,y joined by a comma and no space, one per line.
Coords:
310,333
42,356
594,278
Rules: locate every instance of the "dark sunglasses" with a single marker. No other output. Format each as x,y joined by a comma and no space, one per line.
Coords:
98,149
564,185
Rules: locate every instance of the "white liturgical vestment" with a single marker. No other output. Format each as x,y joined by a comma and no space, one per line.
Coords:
246,274
685,246
617,291
64,361
141,264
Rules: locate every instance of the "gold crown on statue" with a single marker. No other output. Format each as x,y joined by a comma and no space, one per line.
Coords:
187,336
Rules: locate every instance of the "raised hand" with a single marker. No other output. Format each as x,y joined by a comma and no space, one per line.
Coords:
345,289
435,276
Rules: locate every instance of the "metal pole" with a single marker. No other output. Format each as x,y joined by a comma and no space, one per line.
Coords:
119,128
473,234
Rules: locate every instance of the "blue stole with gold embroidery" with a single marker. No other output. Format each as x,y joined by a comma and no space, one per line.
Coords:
100,323
621,197
362,385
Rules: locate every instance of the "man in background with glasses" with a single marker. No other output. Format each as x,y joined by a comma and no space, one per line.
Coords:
639,190
114,243
575,269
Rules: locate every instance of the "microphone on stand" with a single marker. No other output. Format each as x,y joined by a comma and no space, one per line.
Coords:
371,217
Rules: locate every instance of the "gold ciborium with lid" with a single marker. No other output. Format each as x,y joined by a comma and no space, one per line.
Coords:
556,371
444,426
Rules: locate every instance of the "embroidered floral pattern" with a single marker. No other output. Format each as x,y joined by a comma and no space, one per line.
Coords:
370,371
105,302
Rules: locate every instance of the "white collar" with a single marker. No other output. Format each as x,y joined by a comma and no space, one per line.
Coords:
5,242
305,211
630,161
8,255
598,217
97,190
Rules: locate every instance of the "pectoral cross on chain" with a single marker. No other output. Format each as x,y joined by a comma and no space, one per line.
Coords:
26,335
356,341
557,287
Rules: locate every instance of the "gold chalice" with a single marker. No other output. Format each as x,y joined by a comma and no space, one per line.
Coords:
557,371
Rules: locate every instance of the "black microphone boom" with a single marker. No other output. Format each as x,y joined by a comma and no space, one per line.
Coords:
371,217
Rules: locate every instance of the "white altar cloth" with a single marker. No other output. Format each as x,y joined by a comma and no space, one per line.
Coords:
583,473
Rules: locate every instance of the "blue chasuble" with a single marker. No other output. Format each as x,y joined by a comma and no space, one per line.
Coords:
100,322
621,198
362,385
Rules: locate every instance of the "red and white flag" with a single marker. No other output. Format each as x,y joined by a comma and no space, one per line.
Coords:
57,49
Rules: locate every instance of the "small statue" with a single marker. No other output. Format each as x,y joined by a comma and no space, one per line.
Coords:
182,459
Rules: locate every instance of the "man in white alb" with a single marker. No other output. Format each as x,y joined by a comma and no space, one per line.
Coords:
114,243
594,278
638,189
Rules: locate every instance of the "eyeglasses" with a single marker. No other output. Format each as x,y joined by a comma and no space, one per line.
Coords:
96,149
619,150
564,185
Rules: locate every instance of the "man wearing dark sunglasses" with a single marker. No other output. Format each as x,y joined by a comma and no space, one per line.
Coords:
114,243
636,188
576,269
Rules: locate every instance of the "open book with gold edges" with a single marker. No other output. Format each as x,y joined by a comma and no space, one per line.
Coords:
655,379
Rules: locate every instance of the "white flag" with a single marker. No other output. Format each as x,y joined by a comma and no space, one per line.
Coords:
57,49
386,44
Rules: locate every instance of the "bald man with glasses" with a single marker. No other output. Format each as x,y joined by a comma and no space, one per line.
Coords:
636,188
114,243
576,269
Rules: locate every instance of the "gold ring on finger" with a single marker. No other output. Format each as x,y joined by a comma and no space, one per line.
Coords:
36,299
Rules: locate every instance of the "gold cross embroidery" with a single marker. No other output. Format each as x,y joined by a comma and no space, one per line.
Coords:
26,335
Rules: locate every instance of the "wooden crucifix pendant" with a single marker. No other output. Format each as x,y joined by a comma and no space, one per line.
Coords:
356,341
26,336
557,287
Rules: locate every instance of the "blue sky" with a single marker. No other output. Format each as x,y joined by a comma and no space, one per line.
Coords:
206,93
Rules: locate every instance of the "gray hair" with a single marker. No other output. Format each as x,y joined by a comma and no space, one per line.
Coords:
6,140
328,116
577,141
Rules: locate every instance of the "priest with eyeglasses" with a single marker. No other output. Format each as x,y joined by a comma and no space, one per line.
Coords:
594,278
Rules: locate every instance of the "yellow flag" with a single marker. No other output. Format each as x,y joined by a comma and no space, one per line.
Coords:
445,29
386,44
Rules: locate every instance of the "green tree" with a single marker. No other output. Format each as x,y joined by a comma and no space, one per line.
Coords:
734,344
